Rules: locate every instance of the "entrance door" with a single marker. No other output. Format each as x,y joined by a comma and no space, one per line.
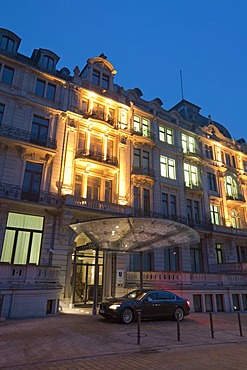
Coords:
84,277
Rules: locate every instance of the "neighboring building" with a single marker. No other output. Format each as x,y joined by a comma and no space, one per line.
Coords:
76,146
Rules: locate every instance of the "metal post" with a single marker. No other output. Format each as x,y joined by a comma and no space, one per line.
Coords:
211,325
74,279
141,270
96,282
178,328
240,325
139,314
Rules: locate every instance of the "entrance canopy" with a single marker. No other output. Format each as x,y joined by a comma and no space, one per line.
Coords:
133,234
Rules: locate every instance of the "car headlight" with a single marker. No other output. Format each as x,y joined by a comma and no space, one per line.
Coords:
114,306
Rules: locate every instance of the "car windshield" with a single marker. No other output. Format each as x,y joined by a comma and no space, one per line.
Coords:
135,294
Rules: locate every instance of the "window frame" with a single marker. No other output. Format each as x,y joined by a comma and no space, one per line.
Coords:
46,93
167,167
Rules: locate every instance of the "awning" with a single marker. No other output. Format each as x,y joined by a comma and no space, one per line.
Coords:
133,234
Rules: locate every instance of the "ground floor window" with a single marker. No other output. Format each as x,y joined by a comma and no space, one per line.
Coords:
197,302
208,302
244,300
22,240
171,259
219,302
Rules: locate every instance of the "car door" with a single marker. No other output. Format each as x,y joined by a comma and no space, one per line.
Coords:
150,305
166,302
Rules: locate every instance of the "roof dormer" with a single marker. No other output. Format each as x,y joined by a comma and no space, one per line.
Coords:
9,41
45,59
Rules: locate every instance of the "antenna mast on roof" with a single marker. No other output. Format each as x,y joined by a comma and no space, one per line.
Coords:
181,83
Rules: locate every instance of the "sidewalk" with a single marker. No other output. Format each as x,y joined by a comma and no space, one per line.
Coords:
76,340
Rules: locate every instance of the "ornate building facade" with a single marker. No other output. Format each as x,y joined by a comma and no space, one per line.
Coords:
78,147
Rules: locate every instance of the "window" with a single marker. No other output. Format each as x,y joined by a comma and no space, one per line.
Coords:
93,188
196,258
78,186
32,181
188,144
219,302
141,158
105,82
193,212
45,90
209,151
95,145
39,130
245,166
211,181
190,175
48,62
141,126
171,259
1,113
209,302
137,198
189,211
219,253
108,191
146,202
164,204
7,44
242,253
215,214
98,111
197,302
173,206
147,261
7,75
96,77
167,167
235,220
166,135
228,159
231,187
22,239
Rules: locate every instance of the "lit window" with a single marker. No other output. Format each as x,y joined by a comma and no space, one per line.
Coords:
235,220
188,144
190,175
219,252
7,44
22,239
108,191
231,187
215,214
141,126
93,188
167,167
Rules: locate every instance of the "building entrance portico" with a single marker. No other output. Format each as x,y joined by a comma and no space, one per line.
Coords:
118,235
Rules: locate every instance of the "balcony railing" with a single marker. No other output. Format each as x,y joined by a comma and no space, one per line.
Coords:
96,156
14,192
195,153
26,136
233,267
193,186
144,133
145,171
174,279
28,274
237,197
71,200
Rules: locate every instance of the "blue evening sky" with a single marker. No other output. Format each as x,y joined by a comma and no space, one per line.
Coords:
148,43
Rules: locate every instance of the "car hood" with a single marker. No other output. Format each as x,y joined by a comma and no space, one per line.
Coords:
116,299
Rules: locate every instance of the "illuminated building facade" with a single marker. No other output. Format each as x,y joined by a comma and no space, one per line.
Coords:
77,146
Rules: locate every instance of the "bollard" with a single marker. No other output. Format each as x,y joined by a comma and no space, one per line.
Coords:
139,315
178,328
211,325
240,325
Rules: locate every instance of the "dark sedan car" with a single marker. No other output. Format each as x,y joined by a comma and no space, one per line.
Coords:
152,303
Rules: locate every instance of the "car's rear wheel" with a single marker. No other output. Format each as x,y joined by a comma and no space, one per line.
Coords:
179,314
127,316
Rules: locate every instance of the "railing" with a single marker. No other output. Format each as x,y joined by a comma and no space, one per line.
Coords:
196,153
96,156
238,197
144,133
146,171
27,136
230,267
192,186
170,279
229,230
14,192
70,200
28,274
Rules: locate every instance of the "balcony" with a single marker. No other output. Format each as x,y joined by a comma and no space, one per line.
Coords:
235,198
92,204
19,275
193,186
233,267
144,133
143,171
229,230
14,192
26,136
196,154
170,280
96,156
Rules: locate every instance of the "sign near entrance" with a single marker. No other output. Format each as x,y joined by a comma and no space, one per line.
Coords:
120,277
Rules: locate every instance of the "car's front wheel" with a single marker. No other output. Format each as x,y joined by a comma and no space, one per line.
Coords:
179,314
127,316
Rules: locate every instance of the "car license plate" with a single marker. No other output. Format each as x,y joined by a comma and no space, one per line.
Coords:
101,311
